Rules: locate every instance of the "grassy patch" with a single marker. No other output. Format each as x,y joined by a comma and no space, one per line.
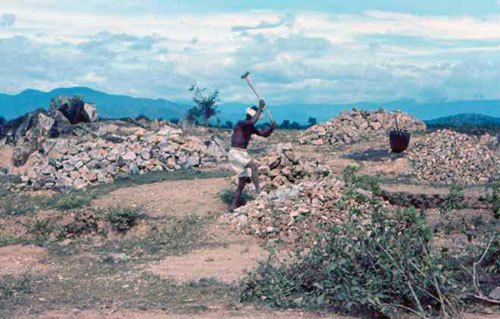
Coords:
92,285
226,196
122,219
173,237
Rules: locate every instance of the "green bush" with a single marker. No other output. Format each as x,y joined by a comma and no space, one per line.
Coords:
226,196
72,202
40,228
377,262
495,199
122,219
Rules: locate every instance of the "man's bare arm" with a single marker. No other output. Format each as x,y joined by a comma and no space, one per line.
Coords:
267,131
262,104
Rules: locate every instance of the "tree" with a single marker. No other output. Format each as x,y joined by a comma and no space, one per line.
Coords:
312,121
228,124
285,124
295,125
205,101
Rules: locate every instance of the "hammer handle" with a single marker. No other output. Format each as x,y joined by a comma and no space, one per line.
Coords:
258,96
253,89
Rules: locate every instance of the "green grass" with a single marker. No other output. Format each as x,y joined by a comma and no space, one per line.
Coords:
226,196
176,236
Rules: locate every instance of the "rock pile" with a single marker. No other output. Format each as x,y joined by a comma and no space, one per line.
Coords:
293,213
282,168
76,162
446,156
359,125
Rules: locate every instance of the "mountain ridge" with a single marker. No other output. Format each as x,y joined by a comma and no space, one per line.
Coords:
119,105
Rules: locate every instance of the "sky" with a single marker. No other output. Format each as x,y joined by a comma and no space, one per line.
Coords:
297,51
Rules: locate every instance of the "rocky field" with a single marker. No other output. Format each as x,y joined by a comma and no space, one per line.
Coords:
128,219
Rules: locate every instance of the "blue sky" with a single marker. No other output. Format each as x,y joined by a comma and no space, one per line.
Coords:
298,51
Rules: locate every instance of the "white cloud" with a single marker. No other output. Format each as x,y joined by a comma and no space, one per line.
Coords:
304,56
93,78
7,20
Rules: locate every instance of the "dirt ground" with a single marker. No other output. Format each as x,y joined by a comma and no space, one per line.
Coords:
245,313
227,264
174,198
18,258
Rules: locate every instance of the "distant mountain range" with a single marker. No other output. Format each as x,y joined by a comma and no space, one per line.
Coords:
465,120
109,105
117,106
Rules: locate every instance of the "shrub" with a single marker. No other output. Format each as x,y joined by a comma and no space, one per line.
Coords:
227,195
377,262
71,202
122,219
40,228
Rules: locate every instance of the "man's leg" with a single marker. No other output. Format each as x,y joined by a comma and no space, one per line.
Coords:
255,176
237,194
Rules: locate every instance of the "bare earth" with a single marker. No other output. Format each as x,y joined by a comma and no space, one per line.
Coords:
227,264
17,259
246,313
173,198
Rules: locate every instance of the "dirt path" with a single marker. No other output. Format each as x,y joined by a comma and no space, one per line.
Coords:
172,198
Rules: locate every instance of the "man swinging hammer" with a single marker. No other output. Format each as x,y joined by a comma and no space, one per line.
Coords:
245,167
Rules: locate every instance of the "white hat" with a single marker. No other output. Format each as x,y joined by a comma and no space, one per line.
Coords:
251,112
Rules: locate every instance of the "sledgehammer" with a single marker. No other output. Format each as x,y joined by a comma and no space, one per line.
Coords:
245,77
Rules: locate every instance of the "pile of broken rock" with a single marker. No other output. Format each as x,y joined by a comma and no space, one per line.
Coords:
100,151
294,213
282,168
358,126
74,163
447,156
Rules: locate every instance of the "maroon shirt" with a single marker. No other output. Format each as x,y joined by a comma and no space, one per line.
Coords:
243,131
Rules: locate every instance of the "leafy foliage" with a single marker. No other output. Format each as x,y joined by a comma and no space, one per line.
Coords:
205,104
378,261
122,219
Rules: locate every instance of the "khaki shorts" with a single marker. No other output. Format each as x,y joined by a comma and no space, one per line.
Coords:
239,160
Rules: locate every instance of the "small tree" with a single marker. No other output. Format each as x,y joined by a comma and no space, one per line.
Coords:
285,124
295,125
312,121
205,101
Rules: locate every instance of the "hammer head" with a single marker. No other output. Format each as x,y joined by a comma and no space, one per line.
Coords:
245,75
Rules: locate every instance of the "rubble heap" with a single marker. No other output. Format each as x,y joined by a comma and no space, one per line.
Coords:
359,125
282,168
98,157
293,213
446,156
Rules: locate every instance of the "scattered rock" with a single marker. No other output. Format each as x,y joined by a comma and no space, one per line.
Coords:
446,156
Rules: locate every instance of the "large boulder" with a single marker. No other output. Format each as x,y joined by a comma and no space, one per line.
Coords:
74,109
62,126
31,135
